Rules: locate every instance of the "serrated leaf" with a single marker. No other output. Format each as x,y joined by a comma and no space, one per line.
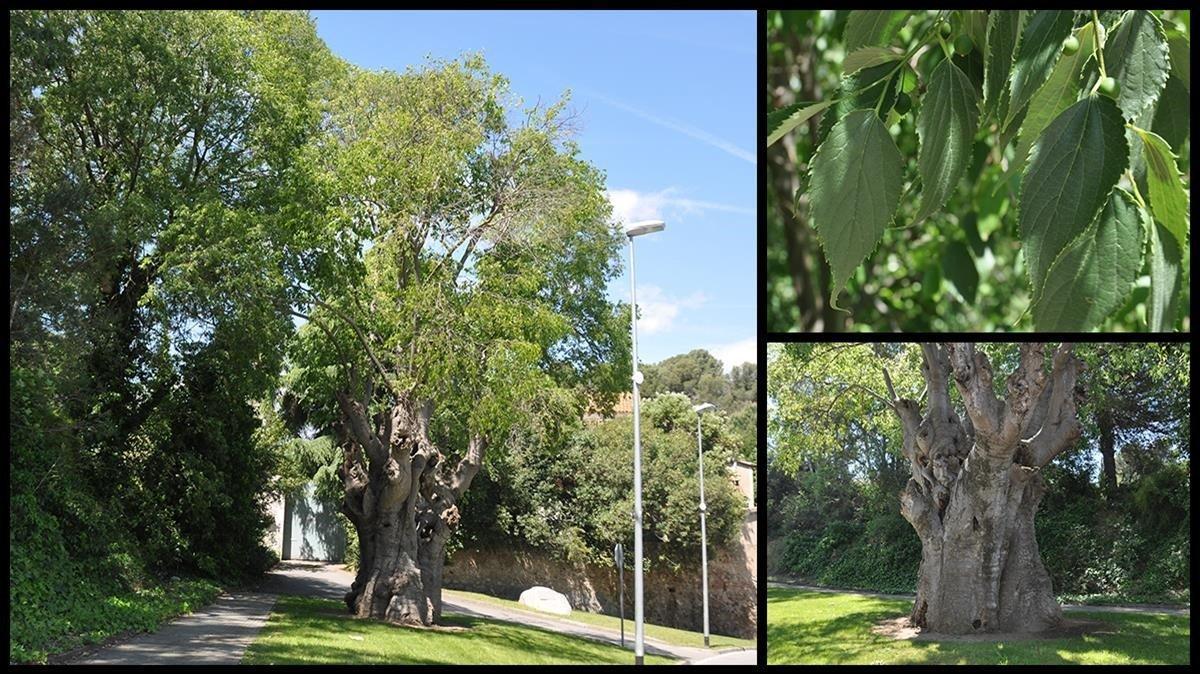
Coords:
1136,55
1057,94
867,57
946,125
871,27
1165,276
874,84
1039,48
1168,199
783,120
1181,59
854,189
959,266
1173,113
1003,26
973,23
1096,271
1073,166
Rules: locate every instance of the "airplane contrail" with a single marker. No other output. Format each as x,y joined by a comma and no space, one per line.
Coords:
686,129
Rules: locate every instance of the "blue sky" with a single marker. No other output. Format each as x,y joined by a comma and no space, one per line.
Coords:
666,103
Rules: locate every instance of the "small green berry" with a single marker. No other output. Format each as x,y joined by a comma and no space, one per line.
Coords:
945,28
1070,45
963,45
903,104
1110,87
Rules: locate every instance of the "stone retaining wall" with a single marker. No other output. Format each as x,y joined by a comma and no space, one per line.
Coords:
671,598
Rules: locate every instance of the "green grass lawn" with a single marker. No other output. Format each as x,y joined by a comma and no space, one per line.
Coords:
668,635
805,627
318,631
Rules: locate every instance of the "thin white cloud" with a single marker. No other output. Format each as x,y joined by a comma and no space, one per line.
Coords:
679,127
632,205
736,353
658,311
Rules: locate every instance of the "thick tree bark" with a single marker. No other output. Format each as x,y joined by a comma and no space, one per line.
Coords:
976,485
401,497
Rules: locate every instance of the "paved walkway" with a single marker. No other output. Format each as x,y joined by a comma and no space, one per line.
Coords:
731,658
1134,608
217,634
458,604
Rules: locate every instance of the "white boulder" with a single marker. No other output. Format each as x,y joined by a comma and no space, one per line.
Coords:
545,599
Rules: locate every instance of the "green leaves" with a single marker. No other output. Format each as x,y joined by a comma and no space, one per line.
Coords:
1181,55
1168,200
1136,55
867,28
854,189
1165,276
1095,272
783,120
946,126
863,89
1055,156
1074,165
867,57
1003,27
959,267
1056,95
1041,43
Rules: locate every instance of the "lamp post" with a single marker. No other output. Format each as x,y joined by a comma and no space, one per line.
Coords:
699,409
639,646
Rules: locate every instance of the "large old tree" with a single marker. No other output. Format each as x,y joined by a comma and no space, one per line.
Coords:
973,443
976,485
461,282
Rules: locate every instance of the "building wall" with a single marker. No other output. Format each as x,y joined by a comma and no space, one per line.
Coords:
670,598
273,538
741,473
303,527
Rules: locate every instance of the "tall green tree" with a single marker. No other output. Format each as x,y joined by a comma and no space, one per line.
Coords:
158,191
1132,392
460,281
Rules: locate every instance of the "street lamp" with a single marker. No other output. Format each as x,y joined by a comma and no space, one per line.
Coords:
699,409
639,646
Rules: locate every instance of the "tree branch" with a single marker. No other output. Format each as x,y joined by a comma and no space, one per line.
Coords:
469,465
1061,426
973,377
362,338
359,425
1024,389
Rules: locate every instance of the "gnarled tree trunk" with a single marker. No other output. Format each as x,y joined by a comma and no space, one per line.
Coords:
976,484
401,497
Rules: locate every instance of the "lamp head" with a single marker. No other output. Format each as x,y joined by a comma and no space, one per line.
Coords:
644,227
702,407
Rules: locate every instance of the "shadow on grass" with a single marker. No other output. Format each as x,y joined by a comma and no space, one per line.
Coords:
819,628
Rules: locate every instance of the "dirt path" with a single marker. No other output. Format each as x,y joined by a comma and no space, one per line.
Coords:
1131,608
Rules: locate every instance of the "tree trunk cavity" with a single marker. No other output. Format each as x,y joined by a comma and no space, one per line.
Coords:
401,496
976,484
